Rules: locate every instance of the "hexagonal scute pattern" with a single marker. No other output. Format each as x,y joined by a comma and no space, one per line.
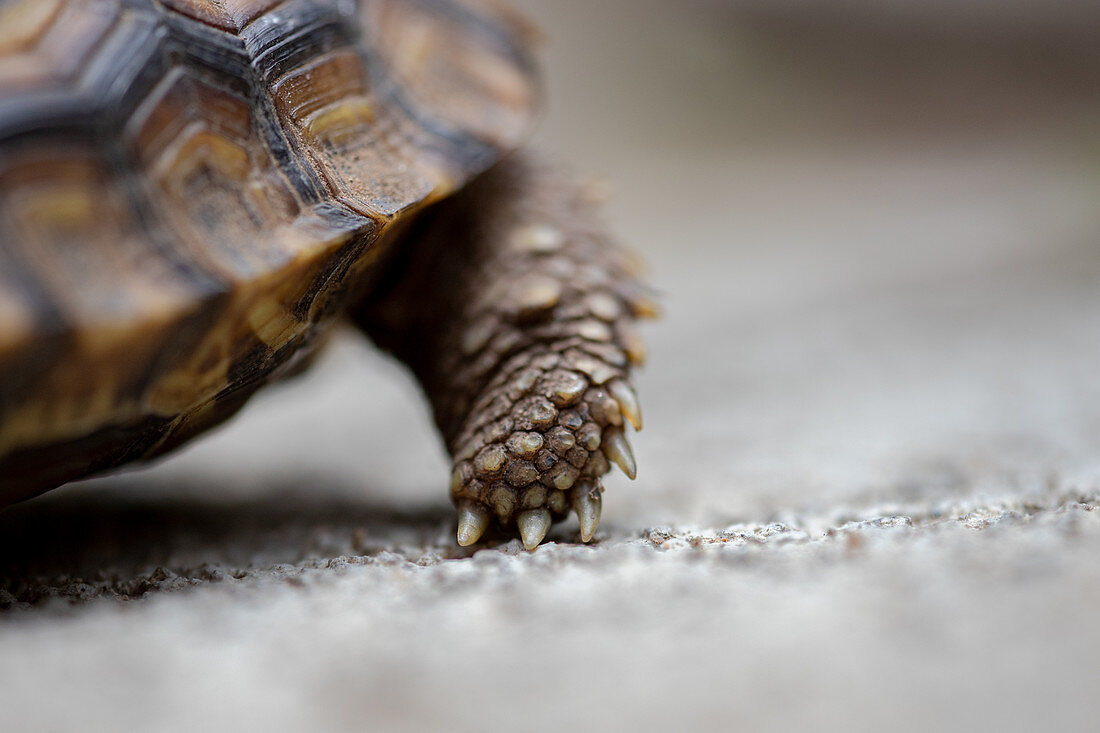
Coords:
188,189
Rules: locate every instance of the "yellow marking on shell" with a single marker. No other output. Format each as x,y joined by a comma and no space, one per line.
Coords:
78,239
64,206
87,391
116,304
199,378
327,80
81,395
201,148
338,122
22,23
43,42
453,75
16,323
260,197
178,391
264,309
179,104
272,322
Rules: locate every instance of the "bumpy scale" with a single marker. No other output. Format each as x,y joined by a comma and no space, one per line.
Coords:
517,314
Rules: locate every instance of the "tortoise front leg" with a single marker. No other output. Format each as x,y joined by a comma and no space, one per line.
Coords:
516,313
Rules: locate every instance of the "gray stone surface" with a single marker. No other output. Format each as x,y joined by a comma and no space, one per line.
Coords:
868,482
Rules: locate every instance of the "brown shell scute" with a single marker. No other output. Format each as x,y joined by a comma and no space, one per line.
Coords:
229,15
189,189
433,53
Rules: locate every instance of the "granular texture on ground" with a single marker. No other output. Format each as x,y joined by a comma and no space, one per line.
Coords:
867,488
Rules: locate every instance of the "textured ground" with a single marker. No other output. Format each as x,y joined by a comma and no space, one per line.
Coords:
868,485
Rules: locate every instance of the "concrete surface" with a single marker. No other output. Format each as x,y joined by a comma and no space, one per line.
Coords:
868,482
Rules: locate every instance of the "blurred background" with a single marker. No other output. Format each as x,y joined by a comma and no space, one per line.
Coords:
867,481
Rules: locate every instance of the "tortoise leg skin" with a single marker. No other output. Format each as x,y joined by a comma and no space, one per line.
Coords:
516,312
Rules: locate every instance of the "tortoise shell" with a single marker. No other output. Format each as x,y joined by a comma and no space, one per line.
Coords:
191,189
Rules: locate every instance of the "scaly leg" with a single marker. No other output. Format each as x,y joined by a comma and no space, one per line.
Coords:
516,313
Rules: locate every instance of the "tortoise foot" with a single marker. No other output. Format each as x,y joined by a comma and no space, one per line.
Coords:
536,445
523,336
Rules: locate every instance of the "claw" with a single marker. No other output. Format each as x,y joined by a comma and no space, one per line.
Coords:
618,451
642,304
628,402
587,505
473,520
533,525
631,342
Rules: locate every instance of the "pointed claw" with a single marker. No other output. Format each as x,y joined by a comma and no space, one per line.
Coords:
628,402
533,526
587,505
643,305
618,451
473,520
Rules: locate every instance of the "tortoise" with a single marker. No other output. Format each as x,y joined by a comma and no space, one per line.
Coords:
192,192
